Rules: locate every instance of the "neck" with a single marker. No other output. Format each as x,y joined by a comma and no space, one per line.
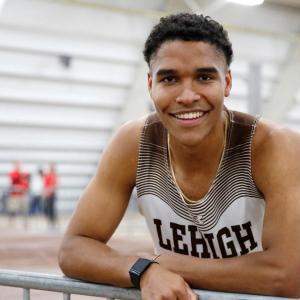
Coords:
205,155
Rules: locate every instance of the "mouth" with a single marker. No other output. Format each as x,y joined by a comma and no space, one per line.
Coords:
192,115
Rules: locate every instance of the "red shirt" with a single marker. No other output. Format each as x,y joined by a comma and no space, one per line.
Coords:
50,183
19,182
50,180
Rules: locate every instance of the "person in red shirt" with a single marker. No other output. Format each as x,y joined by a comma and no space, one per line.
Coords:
50,186
18,180
19,184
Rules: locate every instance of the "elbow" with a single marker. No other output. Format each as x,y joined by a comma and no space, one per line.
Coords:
66,257
291,286
279,275
63,260
286,283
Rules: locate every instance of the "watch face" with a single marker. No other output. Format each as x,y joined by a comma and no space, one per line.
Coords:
136,271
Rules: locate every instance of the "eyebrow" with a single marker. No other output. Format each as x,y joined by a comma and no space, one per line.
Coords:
164,72
207,70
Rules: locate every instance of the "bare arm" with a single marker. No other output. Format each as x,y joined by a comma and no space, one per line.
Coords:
84,253
276,269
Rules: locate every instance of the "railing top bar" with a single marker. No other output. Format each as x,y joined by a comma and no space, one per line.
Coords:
59,283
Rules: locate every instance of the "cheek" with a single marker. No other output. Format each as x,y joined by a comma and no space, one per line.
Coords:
161,99
216,94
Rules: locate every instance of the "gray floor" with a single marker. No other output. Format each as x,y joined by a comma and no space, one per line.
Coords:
35,248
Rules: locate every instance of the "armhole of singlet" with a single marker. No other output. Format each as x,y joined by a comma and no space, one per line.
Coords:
253,130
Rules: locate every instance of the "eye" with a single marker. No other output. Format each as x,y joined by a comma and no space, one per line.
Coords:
204,77
168,79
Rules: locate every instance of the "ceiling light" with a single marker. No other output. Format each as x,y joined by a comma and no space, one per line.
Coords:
247,2
2,2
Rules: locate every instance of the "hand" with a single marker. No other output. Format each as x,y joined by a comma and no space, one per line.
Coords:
158,283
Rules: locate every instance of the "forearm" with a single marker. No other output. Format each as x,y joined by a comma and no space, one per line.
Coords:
257,273
88,259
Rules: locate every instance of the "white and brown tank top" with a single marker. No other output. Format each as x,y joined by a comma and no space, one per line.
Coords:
227,222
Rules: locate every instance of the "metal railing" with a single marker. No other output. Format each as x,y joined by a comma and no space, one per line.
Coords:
68,286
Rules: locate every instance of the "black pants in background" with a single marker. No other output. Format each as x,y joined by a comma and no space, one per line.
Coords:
50,209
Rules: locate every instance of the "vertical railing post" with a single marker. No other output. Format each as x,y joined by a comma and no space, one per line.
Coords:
67,296
26,294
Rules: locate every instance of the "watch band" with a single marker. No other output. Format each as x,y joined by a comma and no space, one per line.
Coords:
137,270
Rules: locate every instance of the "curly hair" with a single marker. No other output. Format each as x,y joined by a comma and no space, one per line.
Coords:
188,27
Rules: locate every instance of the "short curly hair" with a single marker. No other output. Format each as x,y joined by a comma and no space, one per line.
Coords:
188,27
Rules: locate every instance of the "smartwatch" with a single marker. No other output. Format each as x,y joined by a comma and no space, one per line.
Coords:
137,270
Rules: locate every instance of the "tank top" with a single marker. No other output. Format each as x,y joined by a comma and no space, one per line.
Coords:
226,222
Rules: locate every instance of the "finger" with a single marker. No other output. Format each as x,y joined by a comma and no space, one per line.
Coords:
191,294
194,296
182,291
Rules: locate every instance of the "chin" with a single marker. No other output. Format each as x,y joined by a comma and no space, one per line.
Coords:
189,139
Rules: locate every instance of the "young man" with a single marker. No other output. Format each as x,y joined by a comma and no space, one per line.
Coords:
219,189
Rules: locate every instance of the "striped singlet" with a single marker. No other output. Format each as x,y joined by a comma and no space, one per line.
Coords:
226,222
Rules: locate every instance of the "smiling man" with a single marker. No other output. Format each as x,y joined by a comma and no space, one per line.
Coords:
219,189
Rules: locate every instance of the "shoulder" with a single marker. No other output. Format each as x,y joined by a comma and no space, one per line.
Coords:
120,156
126,139
272,139
275,153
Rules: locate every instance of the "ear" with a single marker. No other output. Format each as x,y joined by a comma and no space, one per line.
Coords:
149,82
228,83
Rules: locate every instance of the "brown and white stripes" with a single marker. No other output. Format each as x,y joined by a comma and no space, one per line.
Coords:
233,180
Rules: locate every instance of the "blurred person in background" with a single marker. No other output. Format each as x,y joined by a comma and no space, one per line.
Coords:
49,195
3,199
36,192
17,201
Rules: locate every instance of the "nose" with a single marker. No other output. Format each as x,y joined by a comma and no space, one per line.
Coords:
187,96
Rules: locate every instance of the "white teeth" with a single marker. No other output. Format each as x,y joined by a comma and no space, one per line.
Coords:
190,115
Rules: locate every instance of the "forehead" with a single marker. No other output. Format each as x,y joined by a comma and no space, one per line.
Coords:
194,54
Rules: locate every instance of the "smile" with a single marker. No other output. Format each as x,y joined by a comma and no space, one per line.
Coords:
189,115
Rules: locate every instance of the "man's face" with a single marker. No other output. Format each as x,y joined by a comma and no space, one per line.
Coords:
188,82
